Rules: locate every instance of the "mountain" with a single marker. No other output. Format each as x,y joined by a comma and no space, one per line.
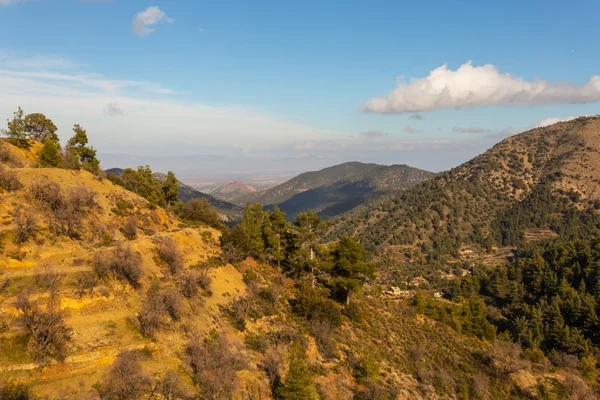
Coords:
233,190
540,183
334,190
105,295
186,193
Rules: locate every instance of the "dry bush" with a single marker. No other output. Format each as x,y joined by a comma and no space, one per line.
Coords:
26,226
576,389
48,278
214,364
160,305
481,386
506,359
129,229
273,365
127,265
85,283
8,179
101,263
47,192
48,335
125,380
167,251
173,387
189,281
121,263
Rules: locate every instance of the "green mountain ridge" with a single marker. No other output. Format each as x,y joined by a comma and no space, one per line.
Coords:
337,189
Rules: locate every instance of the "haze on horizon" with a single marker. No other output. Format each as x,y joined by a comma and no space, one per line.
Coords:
267,90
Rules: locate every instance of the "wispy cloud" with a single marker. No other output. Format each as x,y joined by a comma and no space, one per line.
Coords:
144,20
410,129
113,109
470,129
416,116
475,86
373,134
147,112
9,2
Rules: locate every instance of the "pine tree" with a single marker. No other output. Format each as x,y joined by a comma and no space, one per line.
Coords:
16,132
349,266
298,383
170,188
309,228
85,155
40,128
50,154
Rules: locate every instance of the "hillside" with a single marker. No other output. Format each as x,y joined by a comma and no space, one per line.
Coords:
536,184
104,295
233,190
334,190
186,193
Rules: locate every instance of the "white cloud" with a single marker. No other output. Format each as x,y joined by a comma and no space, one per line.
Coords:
143,21
474,86
553,120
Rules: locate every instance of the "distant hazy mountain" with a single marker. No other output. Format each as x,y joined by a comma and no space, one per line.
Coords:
233,190
186,193
334,190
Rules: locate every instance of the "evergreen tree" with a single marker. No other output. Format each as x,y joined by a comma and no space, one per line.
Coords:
40,128
276,234
50,154
170,188
16,132
309,228
86,156
298,383
349,266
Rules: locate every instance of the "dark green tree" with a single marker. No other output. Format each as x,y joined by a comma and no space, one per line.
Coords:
170,188
85,155
298,384
50,154
16,132
40,128
309,228
350,269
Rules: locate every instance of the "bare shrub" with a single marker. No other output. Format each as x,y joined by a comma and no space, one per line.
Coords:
481,386
214,363
48,278
506,358
173,387
125,380
273,365
85,283
26,225
129,229
8,179
576,389
46,329
159,305
127,265
189,282
167,251
101,263
564,360
121,263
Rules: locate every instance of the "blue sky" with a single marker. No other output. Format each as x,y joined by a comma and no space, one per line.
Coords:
294,78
